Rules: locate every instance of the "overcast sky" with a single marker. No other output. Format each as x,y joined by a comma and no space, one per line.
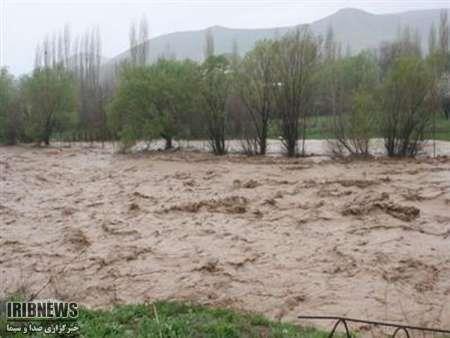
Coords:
23,24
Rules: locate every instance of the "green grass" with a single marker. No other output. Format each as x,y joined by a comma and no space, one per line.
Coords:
319,128
442,130
174,319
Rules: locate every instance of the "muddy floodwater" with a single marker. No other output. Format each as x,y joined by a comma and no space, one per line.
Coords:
315,236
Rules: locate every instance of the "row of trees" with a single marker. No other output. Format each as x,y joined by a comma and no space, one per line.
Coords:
64,93
392,92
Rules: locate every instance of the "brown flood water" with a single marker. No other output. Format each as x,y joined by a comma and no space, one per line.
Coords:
367,239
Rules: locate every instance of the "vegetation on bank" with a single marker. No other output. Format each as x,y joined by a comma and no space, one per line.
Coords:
295,87
180,320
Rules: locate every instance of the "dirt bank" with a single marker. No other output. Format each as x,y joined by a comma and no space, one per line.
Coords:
366,239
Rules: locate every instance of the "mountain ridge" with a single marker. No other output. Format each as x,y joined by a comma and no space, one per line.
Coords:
353,27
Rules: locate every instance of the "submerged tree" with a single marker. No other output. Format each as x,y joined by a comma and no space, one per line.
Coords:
9,114
406,99
49,101
129,112
86,67
256,85
48,94
173,90
215,88
296,63
154,101
353,121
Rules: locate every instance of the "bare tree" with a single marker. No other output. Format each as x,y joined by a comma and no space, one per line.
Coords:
54,55
330,45
406,44
143,42
86,68
443,32
209,43
443,47
235,58
45,52
330,77
139,44
432,43
133,44
38,57
67,45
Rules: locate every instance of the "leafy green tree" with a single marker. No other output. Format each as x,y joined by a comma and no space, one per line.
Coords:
406,99
130,112
173,94
444,94
256,85
154,101
215,88
9,115
49,99
439,60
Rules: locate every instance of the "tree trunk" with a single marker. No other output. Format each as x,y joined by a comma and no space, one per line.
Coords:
263,141
46,136
168,143
291,147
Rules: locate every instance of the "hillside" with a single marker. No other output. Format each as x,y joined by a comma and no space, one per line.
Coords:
353,27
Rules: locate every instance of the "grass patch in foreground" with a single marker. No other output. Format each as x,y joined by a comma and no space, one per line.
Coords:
174,319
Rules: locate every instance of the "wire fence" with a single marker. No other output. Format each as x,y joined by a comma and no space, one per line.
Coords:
398,328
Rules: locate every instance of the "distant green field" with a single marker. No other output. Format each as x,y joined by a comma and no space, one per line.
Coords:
442,130
319,128
180,320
